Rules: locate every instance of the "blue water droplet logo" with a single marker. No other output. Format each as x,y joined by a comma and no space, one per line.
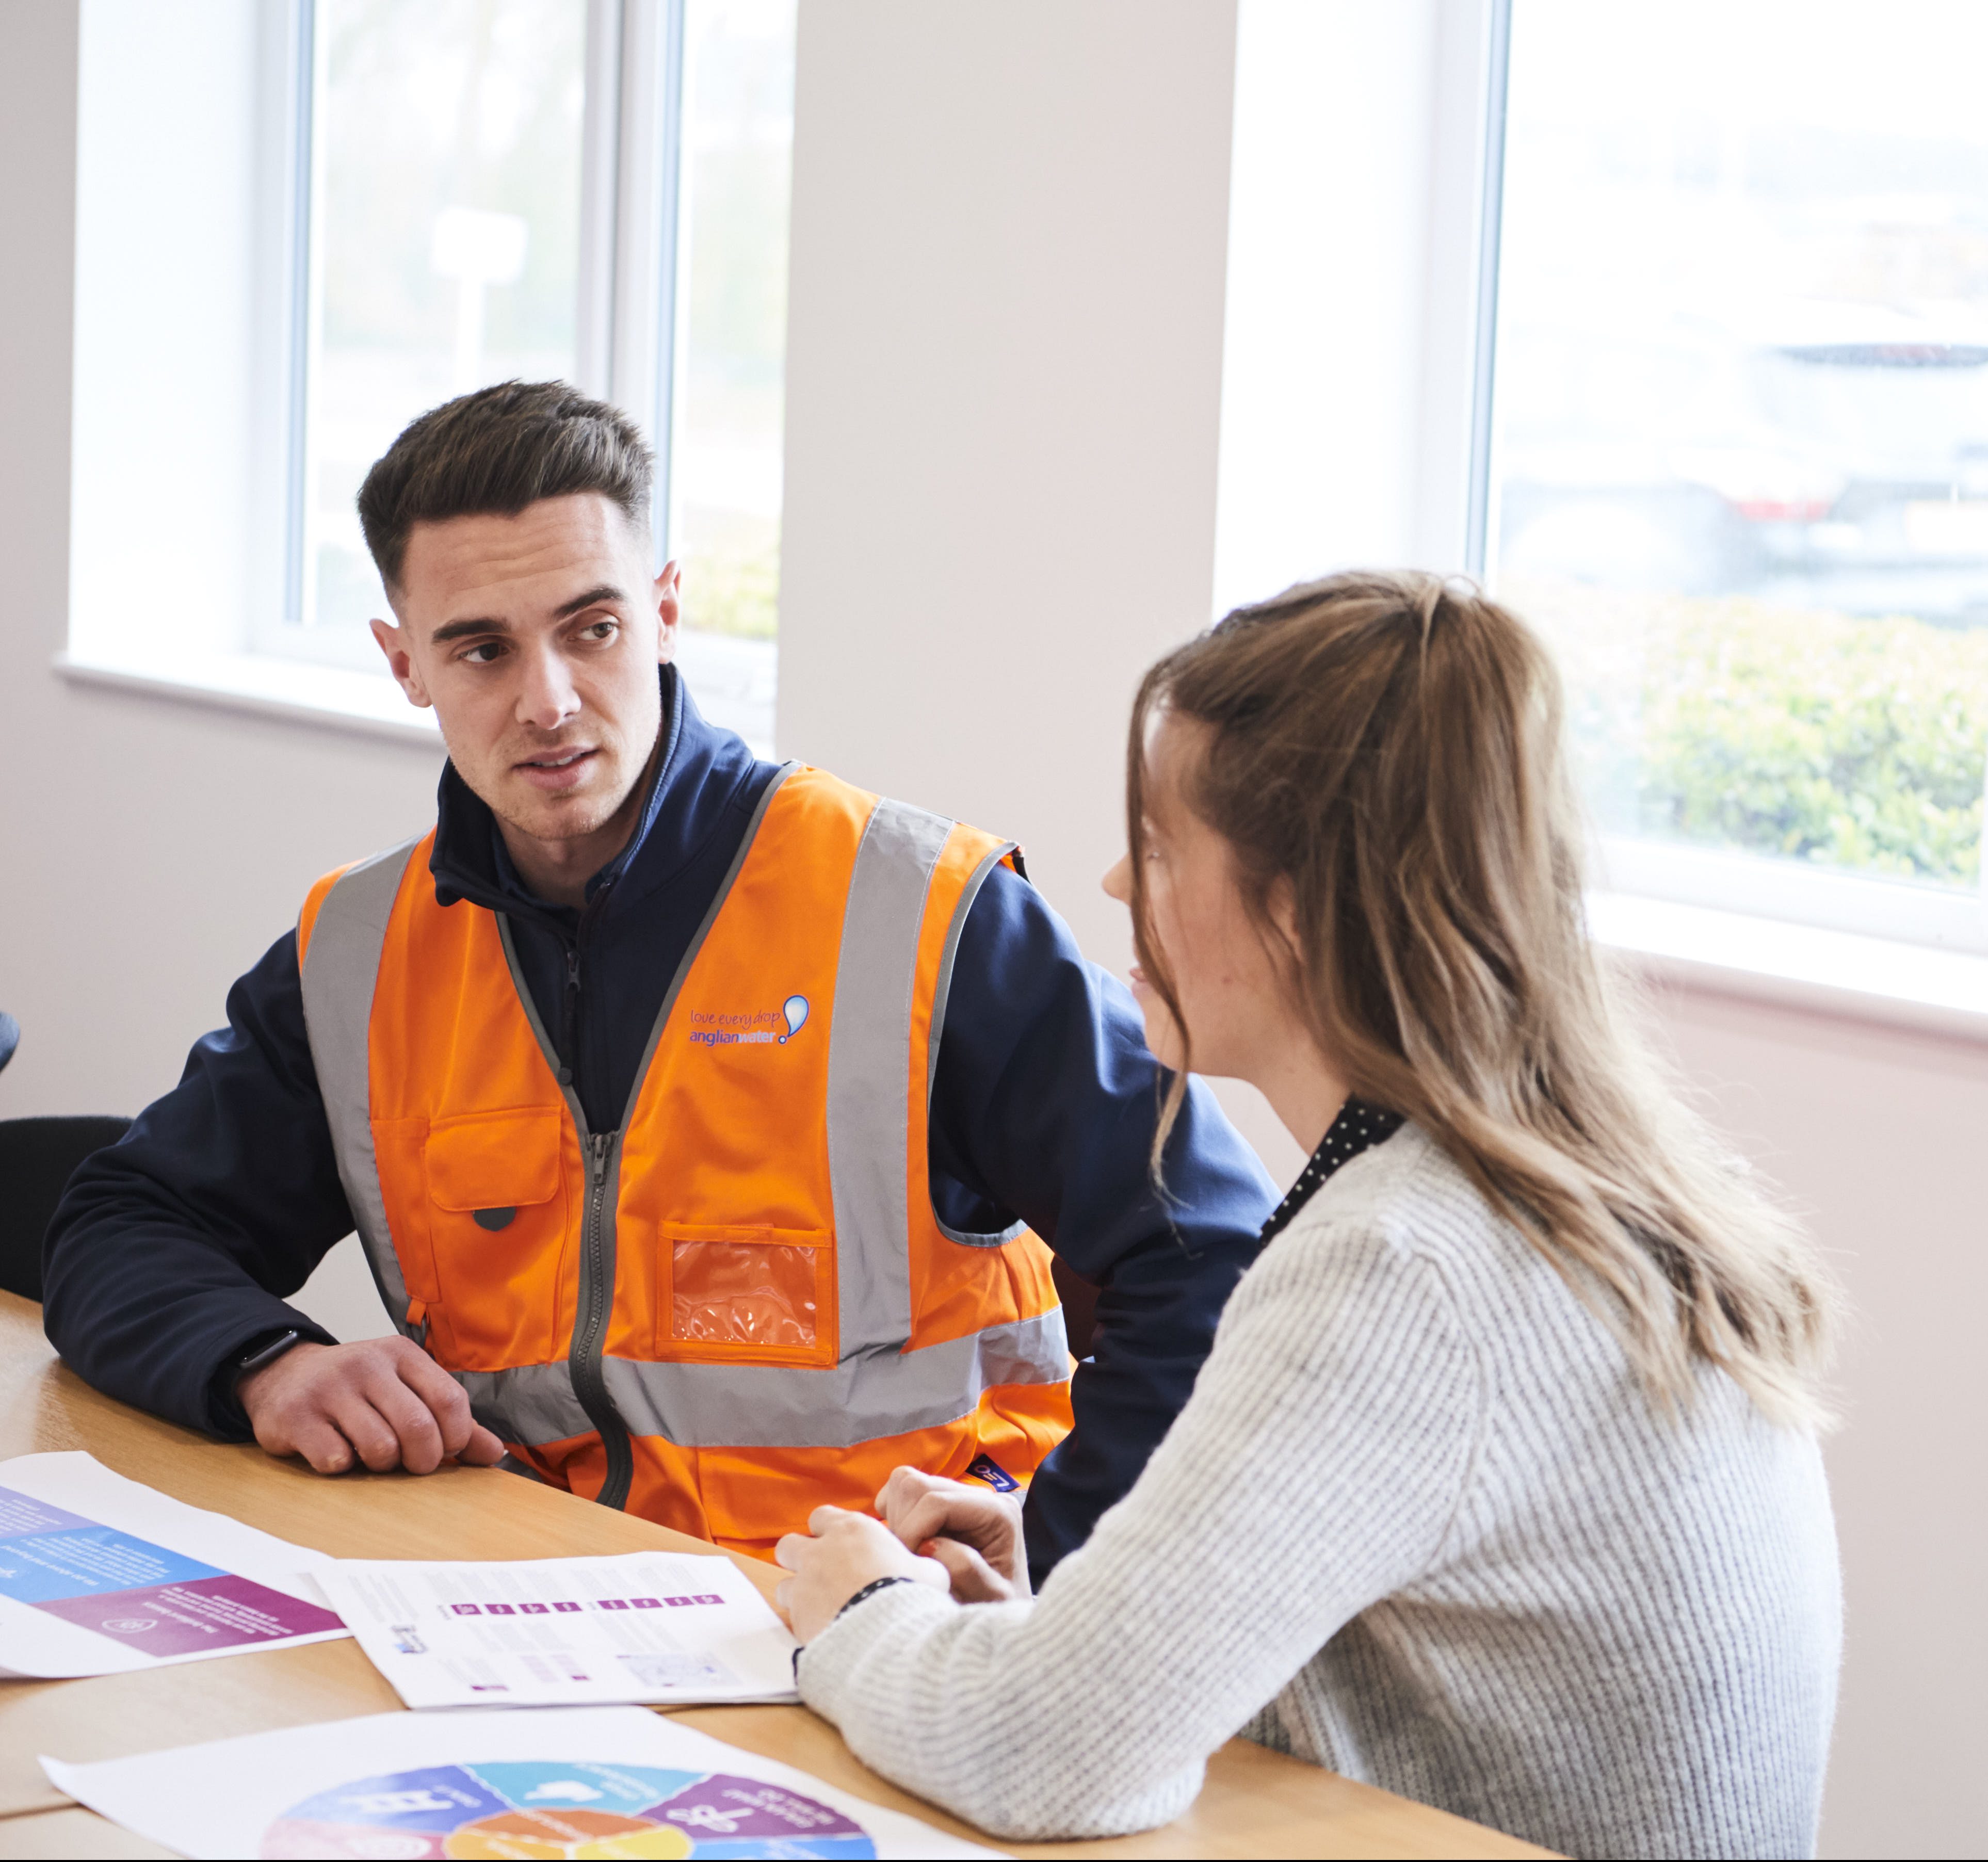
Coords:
796,1009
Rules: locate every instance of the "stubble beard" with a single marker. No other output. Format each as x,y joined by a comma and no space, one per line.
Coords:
560,817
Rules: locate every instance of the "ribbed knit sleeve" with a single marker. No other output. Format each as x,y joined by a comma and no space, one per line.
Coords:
1318,1467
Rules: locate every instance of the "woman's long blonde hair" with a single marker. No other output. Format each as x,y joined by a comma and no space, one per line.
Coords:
1389,745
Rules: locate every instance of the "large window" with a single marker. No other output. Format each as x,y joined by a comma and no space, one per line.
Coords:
1738,462
491,189
440,237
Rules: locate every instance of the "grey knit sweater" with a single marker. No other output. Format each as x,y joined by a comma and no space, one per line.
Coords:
1418,1524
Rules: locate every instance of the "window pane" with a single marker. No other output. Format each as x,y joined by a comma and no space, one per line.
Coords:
1741,465
737,170
447,213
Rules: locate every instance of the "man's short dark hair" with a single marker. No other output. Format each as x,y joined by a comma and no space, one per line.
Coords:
498,450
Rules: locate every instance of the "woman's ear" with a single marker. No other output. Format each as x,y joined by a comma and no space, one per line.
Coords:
1281,901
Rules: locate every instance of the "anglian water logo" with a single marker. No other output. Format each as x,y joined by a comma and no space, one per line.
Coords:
748,1028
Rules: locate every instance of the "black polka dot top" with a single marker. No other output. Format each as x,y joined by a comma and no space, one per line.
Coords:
1358,1128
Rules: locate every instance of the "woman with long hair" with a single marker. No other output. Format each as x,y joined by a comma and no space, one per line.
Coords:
1501,1488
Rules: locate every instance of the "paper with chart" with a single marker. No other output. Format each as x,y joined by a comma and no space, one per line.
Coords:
100,1575
665,1628
589,1781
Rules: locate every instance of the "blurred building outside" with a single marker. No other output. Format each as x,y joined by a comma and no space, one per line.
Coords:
1740,469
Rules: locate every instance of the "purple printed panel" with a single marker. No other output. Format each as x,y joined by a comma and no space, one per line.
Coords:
721,1809
21,1513
208,1612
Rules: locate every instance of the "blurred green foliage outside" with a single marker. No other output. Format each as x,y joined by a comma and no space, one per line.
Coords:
1727,721
731,575
1848,743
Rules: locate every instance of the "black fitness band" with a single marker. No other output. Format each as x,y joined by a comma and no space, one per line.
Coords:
267,1353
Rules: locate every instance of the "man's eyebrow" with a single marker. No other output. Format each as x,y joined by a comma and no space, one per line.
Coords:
605,594
456,630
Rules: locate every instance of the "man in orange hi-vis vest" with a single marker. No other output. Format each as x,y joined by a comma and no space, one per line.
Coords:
708,1125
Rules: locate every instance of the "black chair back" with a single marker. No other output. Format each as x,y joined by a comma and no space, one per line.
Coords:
37,1158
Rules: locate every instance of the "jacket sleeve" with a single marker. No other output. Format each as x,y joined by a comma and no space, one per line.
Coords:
1044,1103
175,1248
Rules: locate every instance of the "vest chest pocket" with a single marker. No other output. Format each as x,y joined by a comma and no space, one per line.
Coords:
763,1287
497,1222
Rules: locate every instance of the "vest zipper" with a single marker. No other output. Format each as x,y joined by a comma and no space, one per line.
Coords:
596,1297
569,1016
599,1151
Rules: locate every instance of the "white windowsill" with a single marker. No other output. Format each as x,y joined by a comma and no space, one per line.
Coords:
1799,966
363,702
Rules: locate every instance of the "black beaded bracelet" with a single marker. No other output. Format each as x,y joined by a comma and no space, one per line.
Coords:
870,1590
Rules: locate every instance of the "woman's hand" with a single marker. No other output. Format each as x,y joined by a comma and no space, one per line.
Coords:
839,1554
973,1532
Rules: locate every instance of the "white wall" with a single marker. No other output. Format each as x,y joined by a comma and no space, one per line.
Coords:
167,268
1326,292
1004,397
1350,326
1003,392
1876,1135
1010,226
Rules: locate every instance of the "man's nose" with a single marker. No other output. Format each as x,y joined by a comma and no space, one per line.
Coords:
547,696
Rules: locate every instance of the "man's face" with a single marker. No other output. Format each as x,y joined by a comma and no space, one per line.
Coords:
537,639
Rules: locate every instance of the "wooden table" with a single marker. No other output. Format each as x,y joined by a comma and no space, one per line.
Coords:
1255,1802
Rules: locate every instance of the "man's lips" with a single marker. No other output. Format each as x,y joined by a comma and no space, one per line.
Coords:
553,770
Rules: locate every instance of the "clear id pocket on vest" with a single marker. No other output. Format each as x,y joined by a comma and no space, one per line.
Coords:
744,1287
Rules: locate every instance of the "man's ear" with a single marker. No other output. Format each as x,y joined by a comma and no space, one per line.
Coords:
669,610
399,662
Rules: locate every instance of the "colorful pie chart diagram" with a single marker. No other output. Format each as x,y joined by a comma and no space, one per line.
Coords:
561,1811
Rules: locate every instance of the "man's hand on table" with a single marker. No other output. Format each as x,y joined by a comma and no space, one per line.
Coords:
382,1401
972,1531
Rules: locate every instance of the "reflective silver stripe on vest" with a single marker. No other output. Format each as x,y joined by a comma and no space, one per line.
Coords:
869,1076
340,968
767,1406
534,1404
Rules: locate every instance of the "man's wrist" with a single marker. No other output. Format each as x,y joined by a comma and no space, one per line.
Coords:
258,1354
226,1417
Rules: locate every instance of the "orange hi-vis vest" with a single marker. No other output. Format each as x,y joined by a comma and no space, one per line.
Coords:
741,1305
